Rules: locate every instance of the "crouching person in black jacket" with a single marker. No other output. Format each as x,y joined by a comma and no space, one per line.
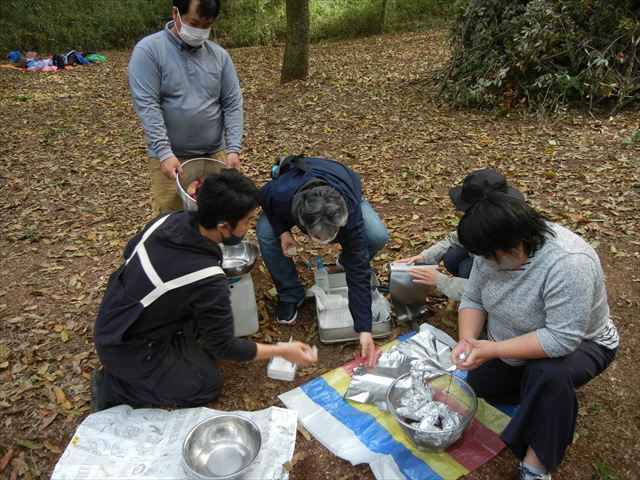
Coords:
170,282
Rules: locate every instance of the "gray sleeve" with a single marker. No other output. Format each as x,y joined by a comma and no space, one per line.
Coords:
471,294
452,287
144,83
232,107
568,297
435,253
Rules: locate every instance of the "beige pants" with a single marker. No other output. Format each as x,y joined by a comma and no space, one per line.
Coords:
164,194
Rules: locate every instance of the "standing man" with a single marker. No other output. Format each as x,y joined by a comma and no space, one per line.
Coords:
324,199
187,96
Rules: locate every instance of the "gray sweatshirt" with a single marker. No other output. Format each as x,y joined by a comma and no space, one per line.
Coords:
452,287
559,293
185,97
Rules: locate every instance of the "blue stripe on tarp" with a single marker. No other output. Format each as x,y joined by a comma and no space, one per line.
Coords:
368,430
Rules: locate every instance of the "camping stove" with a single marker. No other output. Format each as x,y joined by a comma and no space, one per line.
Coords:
408,298
237,262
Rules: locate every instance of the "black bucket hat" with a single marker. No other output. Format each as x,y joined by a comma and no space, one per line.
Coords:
477,185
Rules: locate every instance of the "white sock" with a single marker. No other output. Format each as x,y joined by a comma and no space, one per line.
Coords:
536,468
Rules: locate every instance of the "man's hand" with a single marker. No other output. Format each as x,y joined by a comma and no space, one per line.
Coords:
299,353
414,259
233,160
170,166
368,348
286,242
425,276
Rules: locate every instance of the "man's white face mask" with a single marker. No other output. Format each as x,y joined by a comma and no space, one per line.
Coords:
191,35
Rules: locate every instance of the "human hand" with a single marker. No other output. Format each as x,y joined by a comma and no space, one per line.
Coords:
414,259
425,276
299,353
287,242
170,166
368,348
477,353
233,160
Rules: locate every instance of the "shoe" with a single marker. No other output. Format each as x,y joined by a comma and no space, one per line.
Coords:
339,264
524,473
98,401
287,312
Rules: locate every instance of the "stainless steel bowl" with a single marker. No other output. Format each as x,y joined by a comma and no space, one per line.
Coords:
222,447
191,170
239,259
448,389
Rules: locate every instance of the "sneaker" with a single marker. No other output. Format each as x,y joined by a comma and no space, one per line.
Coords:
524,473
287,312
98,401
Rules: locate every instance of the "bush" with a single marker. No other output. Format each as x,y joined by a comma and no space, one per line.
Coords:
544,54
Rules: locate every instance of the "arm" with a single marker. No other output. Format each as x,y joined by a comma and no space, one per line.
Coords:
296,352
523,347
568,295
209,302
144,82
435,253
232,108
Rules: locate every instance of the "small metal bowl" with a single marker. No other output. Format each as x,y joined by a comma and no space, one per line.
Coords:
239,259
222,447
448,389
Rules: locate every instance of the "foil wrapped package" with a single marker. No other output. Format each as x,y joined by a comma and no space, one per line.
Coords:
438,416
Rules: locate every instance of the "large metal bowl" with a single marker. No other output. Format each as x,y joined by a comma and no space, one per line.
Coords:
239,259
450,390
191,170
222,447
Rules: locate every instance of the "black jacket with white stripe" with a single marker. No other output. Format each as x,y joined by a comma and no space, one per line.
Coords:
127,319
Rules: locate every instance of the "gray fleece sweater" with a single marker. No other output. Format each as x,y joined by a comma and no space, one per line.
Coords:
188,99
559,293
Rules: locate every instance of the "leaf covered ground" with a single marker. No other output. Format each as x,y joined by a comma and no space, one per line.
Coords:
75,188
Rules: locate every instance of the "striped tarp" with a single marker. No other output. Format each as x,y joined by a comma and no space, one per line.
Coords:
362,433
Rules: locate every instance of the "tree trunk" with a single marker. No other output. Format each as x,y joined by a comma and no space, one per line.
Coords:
383,15
295,64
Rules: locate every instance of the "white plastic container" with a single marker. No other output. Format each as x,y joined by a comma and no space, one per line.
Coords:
335,324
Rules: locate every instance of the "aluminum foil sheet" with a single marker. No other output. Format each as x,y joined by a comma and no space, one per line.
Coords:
369,385
430,348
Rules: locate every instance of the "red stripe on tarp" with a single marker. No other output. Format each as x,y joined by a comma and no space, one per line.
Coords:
476,447
356,362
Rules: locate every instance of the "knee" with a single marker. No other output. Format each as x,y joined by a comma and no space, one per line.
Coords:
377,240
548,373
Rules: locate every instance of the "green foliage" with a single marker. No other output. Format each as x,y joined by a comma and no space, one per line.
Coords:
602,469
633,139
61,25
544,54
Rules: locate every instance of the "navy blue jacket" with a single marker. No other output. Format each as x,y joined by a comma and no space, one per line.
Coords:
277,196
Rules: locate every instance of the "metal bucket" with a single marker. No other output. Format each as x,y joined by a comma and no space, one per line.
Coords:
191,170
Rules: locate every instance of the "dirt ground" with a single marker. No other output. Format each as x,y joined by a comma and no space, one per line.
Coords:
75,188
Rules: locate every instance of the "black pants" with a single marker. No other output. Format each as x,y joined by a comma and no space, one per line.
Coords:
172,370
546,391
458,262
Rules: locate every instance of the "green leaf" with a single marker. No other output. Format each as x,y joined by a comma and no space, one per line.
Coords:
64,335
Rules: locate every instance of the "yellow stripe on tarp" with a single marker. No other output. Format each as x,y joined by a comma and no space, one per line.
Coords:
441,463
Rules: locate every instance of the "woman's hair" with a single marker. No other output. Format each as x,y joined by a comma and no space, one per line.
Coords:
322,211
500,222
226,197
